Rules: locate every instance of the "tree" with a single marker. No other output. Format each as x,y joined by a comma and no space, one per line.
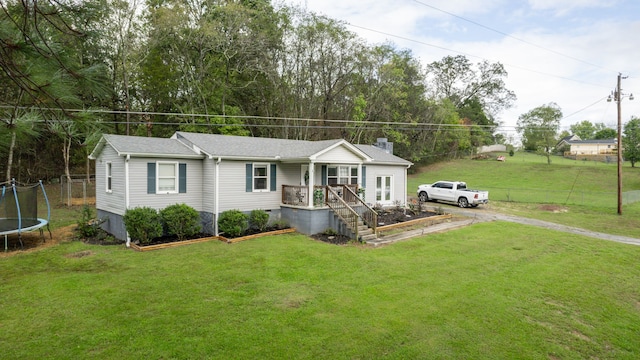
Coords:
584,129
539,127
631,141
478,94
606,133
43,65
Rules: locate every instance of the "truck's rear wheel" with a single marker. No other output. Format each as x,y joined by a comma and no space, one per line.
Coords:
424,197
463,202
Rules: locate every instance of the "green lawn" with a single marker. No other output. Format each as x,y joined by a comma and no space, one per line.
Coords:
586,191
489,291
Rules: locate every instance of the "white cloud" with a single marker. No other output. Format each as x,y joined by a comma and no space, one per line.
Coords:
604,44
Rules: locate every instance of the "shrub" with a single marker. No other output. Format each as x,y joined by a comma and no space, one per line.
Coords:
88,226
258,220
511,152
232,223
181,220
280,224
143,224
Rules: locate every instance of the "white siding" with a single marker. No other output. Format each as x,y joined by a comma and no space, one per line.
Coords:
288,174
233,194
339,155
208,185
138,186
113,201
399,182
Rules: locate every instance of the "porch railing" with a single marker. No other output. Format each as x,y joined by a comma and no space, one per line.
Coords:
298,195
368,215
342,209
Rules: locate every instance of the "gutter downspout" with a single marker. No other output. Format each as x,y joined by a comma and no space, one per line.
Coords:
216,201
126,192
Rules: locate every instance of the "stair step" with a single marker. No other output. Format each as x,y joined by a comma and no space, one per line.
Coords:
368,237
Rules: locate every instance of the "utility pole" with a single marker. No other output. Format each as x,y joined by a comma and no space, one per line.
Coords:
619,101
617,96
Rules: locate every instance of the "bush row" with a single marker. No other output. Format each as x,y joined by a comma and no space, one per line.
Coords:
144,223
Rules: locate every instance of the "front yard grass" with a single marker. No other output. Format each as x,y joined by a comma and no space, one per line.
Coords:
491,290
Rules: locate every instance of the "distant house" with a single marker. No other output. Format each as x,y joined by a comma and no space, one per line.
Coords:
593,147
564,142
313,185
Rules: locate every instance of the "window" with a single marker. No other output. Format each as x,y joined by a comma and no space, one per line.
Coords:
109,177
260,177
166,178
342,175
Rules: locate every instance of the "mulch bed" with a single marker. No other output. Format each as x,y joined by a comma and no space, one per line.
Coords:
395,215
385,217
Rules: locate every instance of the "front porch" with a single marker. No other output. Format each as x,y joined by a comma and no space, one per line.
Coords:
339,207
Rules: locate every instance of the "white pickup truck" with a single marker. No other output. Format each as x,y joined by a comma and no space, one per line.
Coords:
453,192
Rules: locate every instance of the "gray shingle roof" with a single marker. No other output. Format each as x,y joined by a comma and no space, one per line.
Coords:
141,146
600,141
255,147
380,156
235,147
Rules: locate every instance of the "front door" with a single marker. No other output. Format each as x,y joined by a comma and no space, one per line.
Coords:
384,189
304,175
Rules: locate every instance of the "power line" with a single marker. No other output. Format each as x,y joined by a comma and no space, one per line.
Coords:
475,56
511,36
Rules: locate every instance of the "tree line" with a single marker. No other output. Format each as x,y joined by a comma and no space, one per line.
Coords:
72,71
539,129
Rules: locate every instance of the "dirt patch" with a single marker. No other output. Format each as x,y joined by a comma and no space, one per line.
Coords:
80,201
553,208
80,254
33,241
335,239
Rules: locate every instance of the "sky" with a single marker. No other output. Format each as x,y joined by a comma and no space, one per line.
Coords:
565,51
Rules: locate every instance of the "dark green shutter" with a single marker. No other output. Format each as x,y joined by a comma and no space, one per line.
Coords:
249,175
151,178
273,177
324,175
364,176
182,178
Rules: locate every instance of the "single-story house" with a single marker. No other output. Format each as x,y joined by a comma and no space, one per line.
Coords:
313,185
592,147
564,142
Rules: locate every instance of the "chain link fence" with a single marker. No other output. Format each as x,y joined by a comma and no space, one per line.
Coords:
78,191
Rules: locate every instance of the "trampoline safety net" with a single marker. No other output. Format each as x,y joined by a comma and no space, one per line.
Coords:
19,209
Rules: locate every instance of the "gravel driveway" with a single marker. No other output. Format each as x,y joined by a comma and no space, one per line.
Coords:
482,214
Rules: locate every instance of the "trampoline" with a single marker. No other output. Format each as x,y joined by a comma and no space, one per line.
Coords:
19,210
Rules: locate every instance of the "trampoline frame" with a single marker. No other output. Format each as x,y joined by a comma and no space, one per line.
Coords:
41,222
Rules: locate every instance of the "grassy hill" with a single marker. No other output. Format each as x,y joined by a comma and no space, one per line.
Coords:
584,194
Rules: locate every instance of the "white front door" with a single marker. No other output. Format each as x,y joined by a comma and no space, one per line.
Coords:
384,189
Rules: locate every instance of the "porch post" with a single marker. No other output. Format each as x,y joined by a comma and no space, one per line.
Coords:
359,175
312,175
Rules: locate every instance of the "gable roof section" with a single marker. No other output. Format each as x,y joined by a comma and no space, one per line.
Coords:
380,156
144,147
243,147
